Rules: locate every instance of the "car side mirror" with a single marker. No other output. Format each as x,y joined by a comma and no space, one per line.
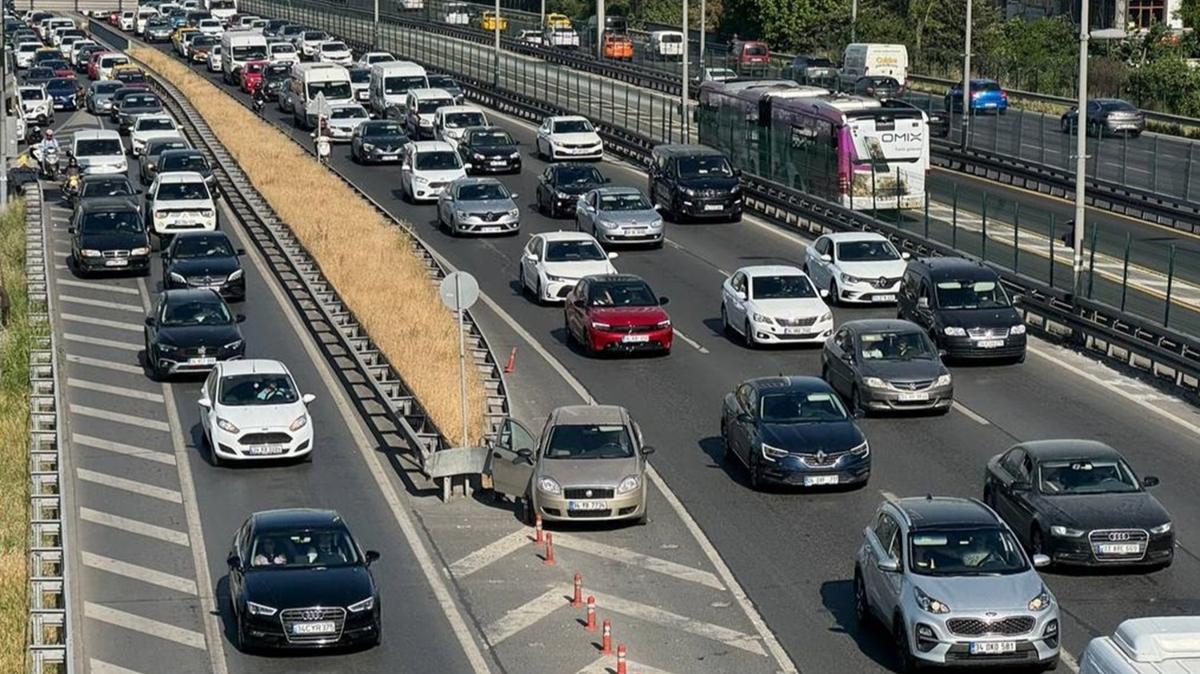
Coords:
608,180
1040,561
826,257
468,167
150,322
647,450
525,455
890,565
70,230
612,255
663,301
745,418
532,257
923,302
205,403
579,303
824,293
371,556
240,318
942,353
848,356
1150,481
860,413
234,562
737,173
307,398
240,251
658,207
905,255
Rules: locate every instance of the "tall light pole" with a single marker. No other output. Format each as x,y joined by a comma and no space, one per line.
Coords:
966,84
853,20
496,27
3,119
683,96
375,27
600,29
703,23
1080,151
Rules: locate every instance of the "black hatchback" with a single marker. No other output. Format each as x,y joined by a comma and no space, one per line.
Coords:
561,185
107,235
489,149
188,331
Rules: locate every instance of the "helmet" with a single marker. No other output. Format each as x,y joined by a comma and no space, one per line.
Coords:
49,134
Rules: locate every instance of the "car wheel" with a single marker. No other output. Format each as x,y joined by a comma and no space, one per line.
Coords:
538,144
567,329
527,515
644,518
242,644
862,610
988,496
1036,543
725,326
856,401
748,336
825,373
755,472
1065,125
907,663
537,292
833,293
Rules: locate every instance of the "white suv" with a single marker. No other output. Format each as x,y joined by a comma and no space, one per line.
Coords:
427,168
179,202
252,410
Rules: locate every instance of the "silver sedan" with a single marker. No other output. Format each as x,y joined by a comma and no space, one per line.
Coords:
478,206
619,215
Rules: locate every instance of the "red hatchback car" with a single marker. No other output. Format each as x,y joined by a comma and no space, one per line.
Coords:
93,67
251,75
617,313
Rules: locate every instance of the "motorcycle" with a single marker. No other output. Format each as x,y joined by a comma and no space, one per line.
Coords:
49,161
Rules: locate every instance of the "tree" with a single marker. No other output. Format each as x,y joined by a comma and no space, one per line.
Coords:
787,25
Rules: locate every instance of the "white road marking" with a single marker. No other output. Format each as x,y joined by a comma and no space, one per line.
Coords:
103,304
110,343
137,623
694,344
124,449
131,486
653,614
116,325
888,496
971,414
96,286
1069,660
106,364
114,390
644,562
133,526
100,667
141,573
130,419
490,553
527,614
607,664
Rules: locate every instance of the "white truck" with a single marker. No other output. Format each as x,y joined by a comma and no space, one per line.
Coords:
1146,646
238,47
310,80
389,87
863,59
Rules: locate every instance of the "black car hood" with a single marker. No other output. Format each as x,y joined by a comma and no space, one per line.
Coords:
299,588
493,151
916,369
205,266
200,335
810,438
389,143
712,183
1005,317
114,241
141,110
1138,510
577,188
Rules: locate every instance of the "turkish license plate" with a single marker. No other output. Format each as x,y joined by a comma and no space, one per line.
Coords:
265,450
1118,549
990,343
713,207
885,298
323,627
116,263
913,397
490,230
795,331
202,361
587,505
993,647
815,480
498,162
635,339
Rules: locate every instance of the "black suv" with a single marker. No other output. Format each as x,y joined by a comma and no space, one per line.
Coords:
107,235
694,181
561,185
964,307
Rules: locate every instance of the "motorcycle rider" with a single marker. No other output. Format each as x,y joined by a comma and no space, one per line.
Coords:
70,185
321,139
48,146
260,96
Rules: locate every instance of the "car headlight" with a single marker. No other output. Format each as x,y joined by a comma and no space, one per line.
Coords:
826,317
1018,329
1042,601
549,485
557,279
426,122
600,326
514,212
605,224
875,382
478,157
952,331
227,426
88,252
562,195
629,484
689,191
762,318
929,604
167,348
943,380
142,250
1065,531
298,423
735,189
771,453
1161,529
364,605
259,609
178,278
515,155
846,278
420,180
862,450
237,274
462,215
234,345
663,324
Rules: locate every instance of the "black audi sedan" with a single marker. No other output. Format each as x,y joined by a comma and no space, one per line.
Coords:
1080,503
204,260
489,149
561,185
378,141
188,331
793,431
886,365
298,579
107,234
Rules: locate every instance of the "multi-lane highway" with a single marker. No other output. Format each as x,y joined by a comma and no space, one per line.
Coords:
792,552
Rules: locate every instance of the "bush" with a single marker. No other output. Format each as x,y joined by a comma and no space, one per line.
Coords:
1167,84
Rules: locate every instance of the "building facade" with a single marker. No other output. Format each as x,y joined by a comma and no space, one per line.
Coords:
1124,14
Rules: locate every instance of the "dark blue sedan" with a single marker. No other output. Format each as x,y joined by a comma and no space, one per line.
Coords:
63,92
986,96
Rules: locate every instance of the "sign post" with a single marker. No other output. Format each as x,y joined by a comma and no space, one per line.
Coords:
459,291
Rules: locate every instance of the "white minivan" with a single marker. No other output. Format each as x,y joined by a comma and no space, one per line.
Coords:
420,108
310,80
390,84
862,60
238,47
1146,646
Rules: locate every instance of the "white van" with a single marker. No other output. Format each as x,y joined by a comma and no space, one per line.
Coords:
99,151
144,14
238,47
310,80
222,9
861,60
420,108
450,122
665,45
1146,646
390,84
456,14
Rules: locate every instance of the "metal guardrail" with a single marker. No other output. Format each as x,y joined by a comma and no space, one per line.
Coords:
387,404
49,635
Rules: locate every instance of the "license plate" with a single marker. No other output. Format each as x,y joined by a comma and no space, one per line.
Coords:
635,339
325,627
498,162
389,157
993,647
814,480
913,397
116,263
587,505
490,230
885,298
713,207
796,331
990,343
265,450
202,361
1119,549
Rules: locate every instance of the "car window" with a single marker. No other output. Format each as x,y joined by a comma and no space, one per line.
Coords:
776,287
1012,462
621,294
112,222
962,551
1086,476
303,548
460,120
258,389
482,192
155,124
895,345
490,138
201,246
866,251
624,201
195,312
572,126
576,175
801,407
573,251
589,441
182,192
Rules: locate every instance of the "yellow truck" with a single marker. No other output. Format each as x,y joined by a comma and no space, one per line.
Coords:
489,21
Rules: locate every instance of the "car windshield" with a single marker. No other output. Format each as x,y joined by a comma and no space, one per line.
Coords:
573,126
400,84
589,441
461,120
971,295
187,162
965,552
577,175
866,251
141,101
196,312
61,84
112,222
113,187
155,124
985,86
159,147
133,76
39,74
182,192
1117,106
314,35
428,106
252,68
382,130
629,201
801,407
442,82
755,50
32,95
303,549
101,147
781,287
332,90
894,345
360,76
491,138
349,112
621,294
282,48
1086,476
277,72
704,167
482,192
196,246
203,41
438,160
334,46
258,389
573,251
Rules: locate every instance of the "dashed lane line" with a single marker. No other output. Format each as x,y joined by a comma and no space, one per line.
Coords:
148,626
129,419
133,526
103,322
123,449
103,304
526,615
644,562
114,390
653,614
139,573
131,486
110,343
693,343
101,667
489,553
106,364
971,414
96,286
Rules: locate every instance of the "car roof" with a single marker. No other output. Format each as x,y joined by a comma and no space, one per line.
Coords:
430,92
446,109
1049,450
589,414
180,177
567,118
1160,639
107,204
295,518
925,512
874,324
432,146
96,134
691,149
189,295
840,237
782,383
566,236
233,368
771,270
955,267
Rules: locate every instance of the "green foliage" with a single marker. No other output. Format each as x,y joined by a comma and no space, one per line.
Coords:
787,25
1167,83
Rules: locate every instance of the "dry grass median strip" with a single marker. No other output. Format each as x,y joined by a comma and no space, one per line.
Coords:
368,259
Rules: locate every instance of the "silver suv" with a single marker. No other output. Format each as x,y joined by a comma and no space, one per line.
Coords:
951,582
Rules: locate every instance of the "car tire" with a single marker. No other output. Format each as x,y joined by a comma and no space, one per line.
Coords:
537,293
906,663
1065,125
833,293
643,519
748,336
752,467
726,449
725,326
239,629
862,608
856,401
1036,541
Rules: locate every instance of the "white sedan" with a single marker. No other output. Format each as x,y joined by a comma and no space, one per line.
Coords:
774,304
335,51
147,127
568,137
252,410
372,57
552,263
859,267
214,59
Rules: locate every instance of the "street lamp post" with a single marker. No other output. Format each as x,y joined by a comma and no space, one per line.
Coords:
703,28
966,85
600,29
853,20
1080,152
496,27
683,96
375,27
